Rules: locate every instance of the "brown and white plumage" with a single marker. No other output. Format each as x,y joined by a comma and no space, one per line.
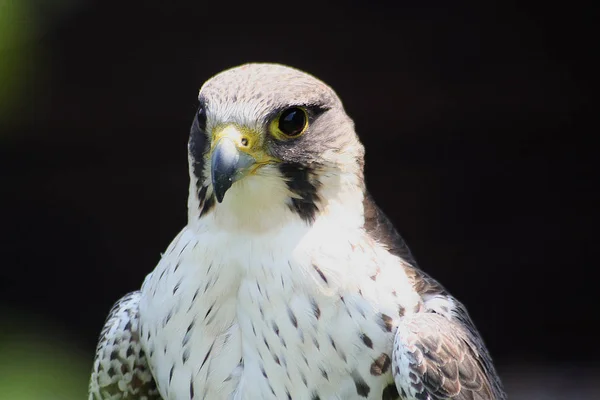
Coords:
288,281
438,353
120,369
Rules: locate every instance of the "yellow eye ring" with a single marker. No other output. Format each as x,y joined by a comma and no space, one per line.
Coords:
290,123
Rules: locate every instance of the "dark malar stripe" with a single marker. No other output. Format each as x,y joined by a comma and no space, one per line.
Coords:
202,194
207,202
298,182
207,205
197,146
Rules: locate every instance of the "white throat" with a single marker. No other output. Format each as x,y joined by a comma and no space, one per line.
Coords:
262,204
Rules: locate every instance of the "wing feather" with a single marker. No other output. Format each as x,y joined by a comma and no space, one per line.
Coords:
439,358
379,227
120,369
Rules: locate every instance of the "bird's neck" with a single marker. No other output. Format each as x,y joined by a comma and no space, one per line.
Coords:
264,205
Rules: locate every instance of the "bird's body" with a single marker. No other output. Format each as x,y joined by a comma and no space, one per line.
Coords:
283,306
294,285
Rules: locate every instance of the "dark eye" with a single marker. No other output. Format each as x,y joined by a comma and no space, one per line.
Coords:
293,122
201,117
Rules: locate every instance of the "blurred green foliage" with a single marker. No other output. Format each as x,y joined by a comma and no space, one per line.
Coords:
16,54
37,362
27,58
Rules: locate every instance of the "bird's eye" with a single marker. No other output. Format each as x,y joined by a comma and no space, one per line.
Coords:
201,117
292,122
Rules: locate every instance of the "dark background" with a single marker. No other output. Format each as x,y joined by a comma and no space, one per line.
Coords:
472,118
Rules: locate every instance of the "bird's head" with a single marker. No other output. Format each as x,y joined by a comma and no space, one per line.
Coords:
267,140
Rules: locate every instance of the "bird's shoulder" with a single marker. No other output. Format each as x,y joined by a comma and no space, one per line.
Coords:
438,352
435,357
379,227
120,368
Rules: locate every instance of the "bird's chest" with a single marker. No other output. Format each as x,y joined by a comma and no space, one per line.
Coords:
266,323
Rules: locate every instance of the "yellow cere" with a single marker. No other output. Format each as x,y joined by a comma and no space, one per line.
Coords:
246,140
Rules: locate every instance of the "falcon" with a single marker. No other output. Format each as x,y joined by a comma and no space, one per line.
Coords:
288,281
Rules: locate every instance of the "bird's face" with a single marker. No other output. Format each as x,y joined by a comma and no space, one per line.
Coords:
266,131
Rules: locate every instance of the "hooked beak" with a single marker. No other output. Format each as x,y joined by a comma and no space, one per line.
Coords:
228,164
236,152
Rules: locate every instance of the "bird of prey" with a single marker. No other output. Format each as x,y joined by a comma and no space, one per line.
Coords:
288,281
